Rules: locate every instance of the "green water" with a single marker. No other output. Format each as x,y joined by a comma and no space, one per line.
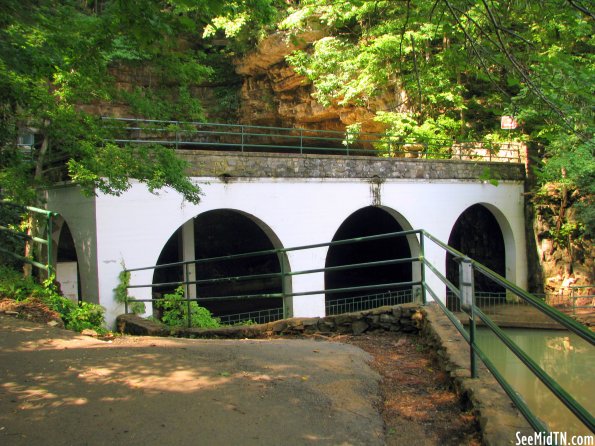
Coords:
564,356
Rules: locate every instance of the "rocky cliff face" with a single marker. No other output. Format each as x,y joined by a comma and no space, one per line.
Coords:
273,93
566,256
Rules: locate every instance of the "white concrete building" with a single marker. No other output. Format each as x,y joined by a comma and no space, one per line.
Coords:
295,201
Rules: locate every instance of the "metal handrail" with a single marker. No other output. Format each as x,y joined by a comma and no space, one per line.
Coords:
574,326
49,215
421,235
579,411
342,142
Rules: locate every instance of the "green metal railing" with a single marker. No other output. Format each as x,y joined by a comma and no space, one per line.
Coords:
418,290
283,275
257,317
47,217
465,292
252,138
567,297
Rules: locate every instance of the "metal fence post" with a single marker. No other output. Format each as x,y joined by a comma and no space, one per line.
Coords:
283,286
423,267
50,229
301,141
242,143
466,288
187,294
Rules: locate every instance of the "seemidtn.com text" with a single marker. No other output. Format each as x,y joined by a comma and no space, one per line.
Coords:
554,439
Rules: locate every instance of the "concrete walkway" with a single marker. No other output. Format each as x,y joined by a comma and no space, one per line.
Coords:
60,388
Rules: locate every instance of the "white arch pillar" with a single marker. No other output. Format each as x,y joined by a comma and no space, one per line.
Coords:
303,260
188,254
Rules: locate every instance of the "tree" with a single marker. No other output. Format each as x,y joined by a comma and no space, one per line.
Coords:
57,59
462,64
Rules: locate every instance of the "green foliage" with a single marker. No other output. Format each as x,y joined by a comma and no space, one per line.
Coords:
245,322
10,217
352,133
488,176
573,163
110,169
243,22
57,59
453,68
569,231
121,294
76,317
85,315
14,286
175,312
435,134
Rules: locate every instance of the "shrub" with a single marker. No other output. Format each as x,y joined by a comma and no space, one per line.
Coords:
76,317
175,312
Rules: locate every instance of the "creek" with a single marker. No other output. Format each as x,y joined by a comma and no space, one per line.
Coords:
567,358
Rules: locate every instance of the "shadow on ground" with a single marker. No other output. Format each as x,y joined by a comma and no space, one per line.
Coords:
57,387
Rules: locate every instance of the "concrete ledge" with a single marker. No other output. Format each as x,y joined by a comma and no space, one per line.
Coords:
234,165
498,418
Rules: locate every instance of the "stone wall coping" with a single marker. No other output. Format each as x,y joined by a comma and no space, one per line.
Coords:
341,157
230,165
499,419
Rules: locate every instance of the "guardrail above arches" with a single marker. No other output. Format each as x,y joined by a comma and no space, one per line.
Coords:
252,138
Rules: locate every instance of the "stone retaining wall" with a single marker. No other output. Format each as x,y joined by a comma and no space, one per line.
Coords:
405,318
228,166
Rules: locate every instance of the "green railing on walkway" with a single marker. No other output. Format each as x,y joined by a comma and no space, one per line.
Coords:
283,275
418,290
465,292
576,292
46,241
252,138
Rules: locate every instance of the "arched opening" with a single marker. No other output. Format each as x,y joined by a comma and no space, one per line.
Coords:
478,235
368,221
67,271
221,233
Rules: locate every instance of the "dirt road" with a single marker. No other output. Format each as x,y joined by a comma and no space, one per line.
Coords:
60,388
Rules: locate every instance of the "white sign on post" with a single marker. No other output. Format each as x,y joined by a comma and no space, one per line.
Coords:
508,123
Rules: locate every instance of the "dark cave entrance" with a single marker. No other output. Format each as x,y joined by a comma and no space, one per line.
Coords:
220,233
367,221
477,234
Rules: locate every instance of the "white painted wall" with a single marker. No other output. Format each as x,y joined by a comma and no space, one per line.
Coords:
78,212
133,229
67,275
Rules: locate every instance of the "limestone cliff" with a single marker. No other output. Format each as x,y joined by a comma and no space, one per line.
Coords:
273,93
565,254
